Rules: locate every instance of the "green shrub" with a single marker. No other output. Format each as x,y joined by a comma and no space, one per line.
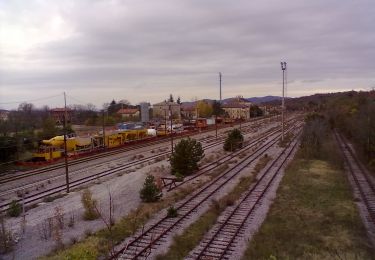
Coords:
89,205
187,153
15,209
150,191
179,177
172,212
234,140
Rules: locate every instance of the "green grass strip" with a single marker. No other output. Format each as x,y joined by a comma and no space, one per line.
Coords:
313,217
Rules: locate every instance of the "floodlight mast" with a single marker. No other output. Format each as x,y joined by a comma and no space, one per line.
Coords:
283,68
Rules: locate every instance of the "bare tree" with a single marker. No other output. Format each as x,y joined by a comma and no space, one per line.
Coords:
108,221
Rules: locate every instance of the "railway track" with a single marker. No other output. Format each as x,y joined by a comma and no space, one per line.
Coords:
210,141
360,177
78,182
221,239
12,177
145,241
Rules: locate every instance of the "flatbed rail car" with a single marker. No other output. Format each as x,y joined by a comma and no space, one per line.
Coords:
53,148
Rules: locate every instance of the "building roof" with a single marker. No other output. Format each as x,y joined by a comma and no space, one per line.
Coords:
235,105
127,111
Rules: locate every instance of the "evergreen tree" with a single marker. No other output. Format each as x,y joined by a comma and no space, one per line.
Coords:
150,192
187,154
170,98
234,140
178,100
216,109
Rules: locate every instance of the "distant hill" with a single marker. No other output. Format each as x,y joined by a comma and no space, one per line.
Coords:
259,100
255,100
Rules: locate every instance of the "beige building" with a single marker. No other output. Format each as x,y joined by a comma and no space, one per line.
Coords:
128,113
237,111
161,110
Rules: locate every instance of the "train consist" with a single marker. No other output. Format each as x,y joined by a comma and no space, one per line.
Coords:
53,148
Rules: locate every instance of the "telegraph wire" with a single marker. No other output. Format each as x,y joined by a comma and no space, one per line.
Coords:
30,100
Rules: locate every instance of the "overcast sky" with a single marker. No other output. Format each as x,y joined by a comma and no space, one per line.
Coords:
143,50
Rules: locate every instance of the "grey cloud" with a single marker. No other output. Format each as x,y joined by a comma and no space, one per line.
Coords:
185,43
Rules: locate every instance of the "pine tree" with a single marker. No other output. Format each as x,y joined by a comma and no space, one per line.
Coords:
171,99
150,192
187,154
234,140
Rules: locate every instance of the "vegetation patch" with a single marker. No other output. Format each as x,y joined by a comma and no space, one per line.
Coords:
98,244
313,217
234,140
150,191
89,204
15,209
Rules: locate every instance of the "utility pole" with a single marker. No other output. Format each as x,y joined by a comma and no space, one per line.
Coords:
220,85
165,117
170,116
65,147
219,104
283,68
103,114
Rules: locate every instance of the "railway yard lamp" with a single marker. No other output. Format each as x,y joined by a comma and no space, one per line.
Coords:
283,68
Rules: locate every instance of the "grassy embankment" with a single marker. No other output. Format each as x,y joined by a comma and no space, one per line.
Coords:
314,215
184,243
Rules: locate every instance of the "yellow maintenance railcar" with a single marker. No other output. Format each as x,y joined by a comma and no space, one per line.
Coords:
53,148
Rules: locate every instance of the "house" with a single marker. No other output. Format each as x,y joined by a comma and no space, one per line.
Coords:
237,111
58,114
4,115
188,111
161,110
128,113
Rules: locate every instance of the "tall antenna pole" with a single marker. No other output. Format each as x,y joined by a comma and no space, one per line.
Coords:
65,147
283,68
220,85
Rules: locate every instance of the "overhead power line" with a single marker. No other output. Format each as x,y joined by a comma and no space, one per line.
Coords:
30,100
